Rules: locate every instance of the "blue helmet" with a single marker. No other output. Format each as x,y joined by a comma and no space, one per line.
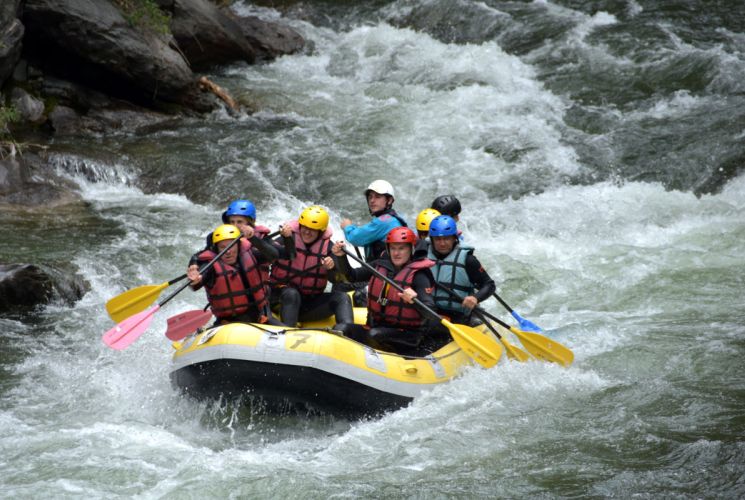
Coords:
443,225
240,207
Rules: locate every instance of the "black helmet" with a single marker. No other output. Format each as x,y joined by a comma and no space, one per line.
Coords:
447,204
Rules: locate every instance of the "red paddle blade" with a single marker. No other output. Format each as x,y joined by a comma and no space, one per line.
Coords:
181,325
129,330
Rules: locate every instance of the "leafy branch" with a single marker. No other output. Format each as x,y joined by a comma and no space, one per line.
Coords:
145,14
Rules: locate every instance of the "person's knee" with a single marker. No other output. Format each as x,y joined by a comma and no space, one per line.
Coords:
341,305
290,296
340,299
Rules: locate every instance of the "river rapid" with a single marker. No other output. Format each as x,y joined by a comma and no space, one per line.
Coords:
597,149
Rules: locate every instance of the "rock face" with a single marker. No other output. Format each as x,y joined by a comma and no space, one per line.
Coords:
269,39
149,60
90,66
27,181
11,35
25,286
206,36
91,41
30,108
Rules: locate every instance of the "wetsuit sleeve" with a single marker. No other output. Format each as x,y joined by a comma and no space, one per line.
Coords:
193,260
208,275
264,251
334,276
288,245
352,274
480,278
282,251
424,286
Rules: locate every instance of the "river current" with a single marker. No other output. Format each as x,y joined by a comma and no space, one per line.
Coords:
597,149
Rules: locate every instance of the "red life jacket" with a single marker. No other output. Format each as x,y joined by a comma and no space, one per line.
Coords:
235,289
305,272
384,303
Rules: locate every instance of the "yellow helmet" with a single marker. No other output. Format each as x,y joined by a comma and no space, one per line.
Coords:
225,232
425,217
314,217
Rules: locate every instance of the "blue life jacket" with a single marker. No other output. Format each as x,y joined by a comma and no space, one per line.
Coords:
451,272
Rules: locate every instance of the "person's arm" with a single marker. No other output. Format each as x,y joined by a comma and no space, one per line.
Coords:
344,269
282,252
480,278
352,274
265,251
424,286
207,278
371,232
192,273
288,242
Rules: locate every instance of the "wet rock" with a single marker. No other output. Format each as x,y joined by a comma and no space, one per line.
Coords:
270,39
25,286
64,120
205,35
72,94
11,36
93,43
29,181
29,108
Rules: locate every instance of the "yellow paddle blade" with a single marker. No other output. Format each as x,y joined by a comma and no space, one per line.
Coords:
133,301
544,348
514,352
483,348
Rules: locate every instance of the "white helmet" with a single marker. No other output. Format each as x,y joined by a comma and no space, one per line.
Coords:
381,187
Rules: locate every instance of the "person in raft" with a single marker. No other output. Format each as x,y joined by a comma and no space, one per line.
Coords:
447,204
459,270
235,289
299,276
371,236
394,322
242,214
423,220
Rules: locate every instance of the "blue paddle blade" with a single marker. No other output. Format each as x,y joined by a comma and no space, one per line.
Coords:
526,325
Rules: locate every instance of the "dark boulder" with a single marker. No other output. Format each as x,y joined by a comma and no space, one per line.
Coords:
11,36
29,108
93,43
270,39
28,181
205,35
25,286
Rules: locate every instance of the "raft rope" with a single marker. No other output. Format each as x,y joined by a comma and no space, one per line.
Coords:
340,334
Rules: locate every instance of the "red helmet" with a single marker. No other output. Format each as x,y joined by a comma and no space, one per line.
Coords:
401,235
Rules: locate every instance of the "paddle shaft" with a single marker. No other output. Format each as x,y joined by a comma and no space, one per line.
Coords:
176,280
509,309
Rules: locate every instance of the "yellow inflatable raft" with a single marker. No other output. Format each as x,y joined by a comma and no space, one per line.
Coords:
310,369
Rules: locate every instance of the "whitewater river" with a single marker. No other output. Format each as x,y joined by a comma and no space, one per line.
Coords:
597,148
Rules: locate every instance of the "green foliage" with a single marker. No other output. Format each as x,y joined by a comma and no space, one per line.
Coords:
8,114
146,15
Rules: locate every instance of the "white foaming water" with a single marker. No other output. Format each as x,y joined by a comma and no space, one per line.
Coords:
434,116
